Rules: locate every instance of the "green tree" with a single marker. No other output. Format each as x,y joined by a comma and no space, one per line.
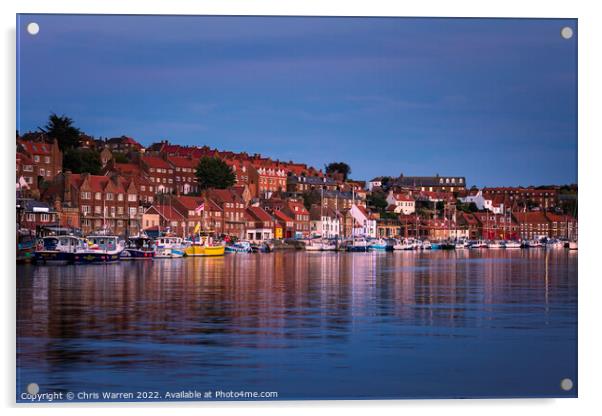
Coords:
63,130
214,173
82,161
120,158
310,198
378,201
341,168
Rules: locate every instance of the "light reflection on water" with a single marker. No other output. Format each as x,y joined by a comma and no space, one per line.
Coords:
491,323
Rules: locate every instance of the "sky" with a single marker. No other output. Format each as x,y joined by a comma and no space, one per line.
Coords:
494,100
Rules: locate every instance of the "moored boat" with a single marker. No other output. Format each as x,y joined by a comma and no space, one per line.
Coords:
169,247
138,248
101,249
59,249
239,247
512,244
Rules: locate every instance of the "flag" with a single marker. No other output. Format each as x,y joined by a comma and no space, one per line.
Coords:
200,208
197,227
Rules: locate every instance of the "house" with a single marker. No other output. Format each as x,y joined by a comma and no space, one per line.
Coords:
533,224
375,183
233,208
402,203
103,202
529,198
444,229
164,218
474,196
160,173
562,226
324,222
297,211
297,185
184,174
364,224
260,225
35,214
26,172
430,183
43,155
469,222
388,228
123,144
284,225
201,211
270,178
493,226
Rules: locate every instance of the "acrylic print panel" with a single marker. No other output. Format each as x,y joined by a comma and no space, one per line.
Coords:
283,208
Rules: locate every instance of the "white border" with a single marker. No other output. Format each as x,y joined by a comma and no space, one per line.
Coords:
590,70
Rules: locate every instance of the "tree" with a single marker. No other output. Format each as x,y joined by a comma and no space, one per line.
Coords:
341,168
378,201
82,161
214,173
62,129
120,158
310,198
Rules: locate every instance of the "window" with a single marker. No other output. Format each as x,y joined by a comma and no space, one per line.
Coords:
109,196
120,197
45,217
97,209
97,196
36,159
27,168
47,159
86,195
42,172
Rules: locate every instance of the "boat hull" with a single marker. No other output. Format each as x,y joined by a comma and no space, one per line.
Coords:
204,251
135,254
53,257
97,257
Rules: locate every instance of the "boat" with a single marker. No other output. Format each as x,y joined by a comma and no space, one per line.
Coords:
239,247
380,244
405,244
169,247
313,245
495,244
425,245
204,247
512,244
59,249
554,244
26,243
138,248
101,249
358,245
461,244
479,244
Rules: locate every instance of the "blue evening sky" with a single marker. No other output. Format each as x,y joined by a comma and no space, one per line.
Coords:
494,100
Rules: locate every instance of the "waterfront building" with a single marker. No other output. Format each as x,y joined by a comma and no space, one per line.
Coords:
297,185
469,222
201,211
324,222
233,208
284,225
260,225
163,218
388,228
528,198
184,174
40,160
32,214
533,224
474,196
562,226
160,173
493,226
364,223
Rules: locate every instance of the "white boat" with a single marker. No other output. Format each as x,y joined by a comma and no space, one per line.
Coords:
496,244
512,244
461,244
480,244
101,249
425,245
329,246
59,249
169,247
535,244
405,244
313,245
554,244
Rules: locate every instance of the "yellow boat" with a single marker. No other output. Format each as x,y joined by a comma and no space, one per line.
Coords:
197,250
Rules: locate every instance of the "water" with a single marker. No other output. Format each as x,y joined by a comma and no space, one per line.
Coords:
490,323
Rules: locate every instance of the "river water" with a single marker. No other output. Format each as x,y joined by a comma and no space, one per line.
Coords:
433,324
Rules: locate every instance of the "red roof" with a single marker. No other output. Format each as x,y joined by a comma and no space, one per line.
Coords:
282,216
403,197
156,162
98,183
533,217
259,213
297,207
127,168
168,212
183,162
36,148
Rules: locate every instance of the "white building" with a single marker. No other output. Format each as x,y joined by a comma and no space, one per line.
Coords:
402,203
324,222
364,225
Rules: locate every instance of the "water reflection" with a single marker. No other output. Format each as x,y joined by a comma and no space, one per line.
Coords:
404,324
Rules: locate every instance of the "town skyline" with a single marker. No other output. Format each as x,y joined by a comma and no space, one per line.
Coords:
494,100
